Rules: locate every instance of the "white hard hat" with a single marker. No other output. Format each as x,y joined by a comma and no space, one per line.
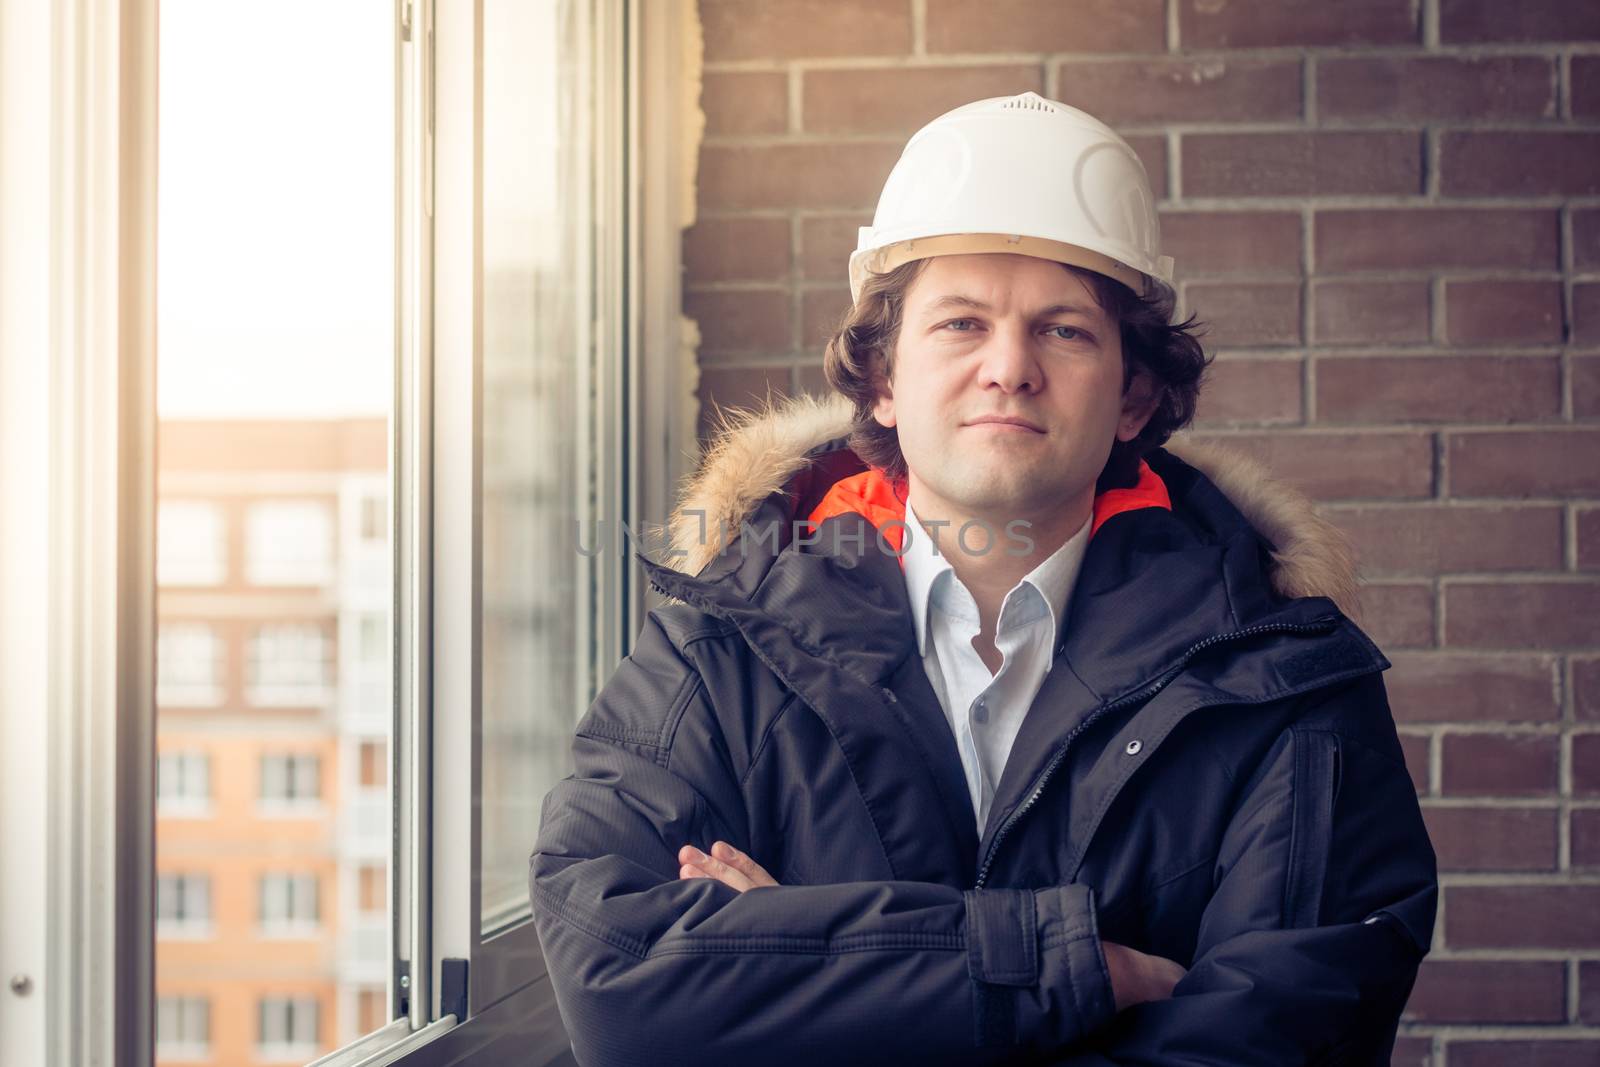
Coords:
1018,174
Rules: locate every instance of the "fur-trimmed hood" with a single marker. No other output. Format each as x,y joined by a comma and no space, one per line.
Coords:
756,453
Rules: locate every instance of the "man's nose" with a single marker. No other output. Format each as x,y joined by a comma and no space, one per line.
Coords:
1011,360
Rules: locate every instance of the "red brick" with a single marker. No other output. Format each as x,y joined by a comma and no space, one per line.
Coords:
1047,26
1588,539
1152,152
1589,992
1419,88
1398,614
1493,839
1519,463
1247,313
840,176
1426,238
1414,1051
1437,388
1425,539
789,29
1586,840
1545,614
1449,687
1270,23
826,242
1585,75
1586,765
1502,312
900,100
1173,89
1414,748
1519,163
737,387
741,320
1364,312
1524,916
1586,313
1251,392
1585,386
1232,242
1386,465
821,311
1549,1052
1586,235
1489,991
745,103
1586,688
1345,163
1475,21
1498,764
736,250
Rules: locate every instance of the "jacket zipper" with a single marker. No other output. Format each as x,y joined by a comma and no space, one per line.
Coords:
1316,626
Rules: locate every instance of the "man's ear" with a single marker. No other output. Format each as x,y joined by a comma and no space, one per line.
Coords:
883,409
1139,403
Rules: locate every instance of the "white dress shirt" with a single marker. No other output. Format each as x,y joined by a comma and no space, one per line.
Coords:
985,710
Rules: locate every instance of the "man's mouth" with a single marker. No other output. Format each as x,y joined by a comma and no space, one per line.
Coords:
1008,423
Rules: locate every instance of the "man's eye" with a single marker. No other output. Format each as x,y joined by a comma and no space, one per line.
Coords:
1072,332
960,325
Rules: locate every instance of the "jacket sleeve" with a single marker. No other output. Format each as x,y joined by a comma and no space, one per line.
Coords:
1323,909
647,968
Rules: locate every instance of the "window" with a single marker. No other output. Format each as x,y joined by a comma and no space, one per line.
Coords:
373,638
188,665
372,885
292,780
183,905
191,544
374,764
288,904
183,1028
287,1028
375,517
289,666
183,783
289,542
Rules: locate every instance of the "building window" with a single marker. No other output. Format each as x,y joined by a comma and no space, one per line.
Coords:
183,783
289,542
372,1009
289,904
287,1028
375,518
291,780
372,629
371,896
183,1028
289,664
188,665
183,905
191,544
374,765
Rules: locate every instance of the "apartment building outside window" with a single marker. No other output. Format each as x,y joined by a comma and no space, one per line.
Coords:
183,1028
291,780
288,1028
289,542
288,904
183,783
183,905
188,665
191,544
288,665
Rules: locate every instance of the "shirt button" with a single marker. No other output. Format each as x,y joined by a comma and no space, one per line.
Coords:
980,712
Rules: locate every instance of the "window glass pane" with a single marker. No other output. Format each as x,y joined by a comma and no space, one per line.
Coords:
276,332
537,288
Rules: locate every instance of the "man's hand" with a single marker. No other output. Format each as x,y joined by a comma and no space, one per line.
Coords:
726,864
1137,976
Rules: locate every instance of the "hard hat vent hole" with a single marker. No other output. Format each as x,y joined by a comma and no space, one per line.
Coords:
1028,102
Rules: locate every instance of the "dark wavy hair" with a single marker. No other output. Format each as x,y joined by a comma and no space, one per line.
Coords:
860,354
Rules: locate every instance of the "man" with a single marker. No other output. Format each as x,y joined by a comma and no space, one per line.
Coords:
1109,778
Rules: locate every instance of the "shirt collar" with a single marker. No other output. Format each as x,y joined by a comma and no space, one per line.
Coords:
1053,577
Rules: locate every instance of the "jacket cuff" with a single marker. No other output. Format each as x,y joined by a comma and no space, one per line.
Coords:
1039,974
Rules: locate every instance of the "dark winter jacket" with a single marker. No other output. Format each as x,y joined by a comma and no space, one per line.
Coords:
1209,773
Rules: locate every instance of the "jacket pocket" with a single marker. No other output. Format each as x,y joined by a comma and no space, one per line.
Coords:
1316,790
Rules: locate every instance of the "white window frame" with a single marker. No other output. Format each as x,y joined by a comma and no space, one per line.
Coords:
176,565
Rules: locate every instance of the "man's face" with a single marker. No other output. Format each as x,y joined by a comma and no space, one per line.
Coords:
996,337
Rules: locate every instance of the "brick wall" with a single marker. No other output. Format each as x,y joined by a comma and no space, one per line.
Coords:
1390,210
